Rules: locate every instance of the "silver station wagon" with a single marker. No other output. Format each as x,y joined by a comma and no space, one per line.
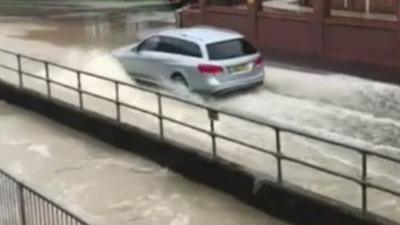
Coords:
204,59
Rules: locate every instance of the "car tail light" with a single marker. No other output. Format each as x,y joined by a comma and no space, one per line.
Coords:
210,70
259,62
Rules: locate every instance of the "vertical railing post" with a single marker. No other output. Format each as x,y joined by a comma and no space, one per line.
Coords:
322,9
213,116
79,80
117,102
21,202
397,11
203,8
160,115
48,83
279,153
397,46
253,7
364,185
19,65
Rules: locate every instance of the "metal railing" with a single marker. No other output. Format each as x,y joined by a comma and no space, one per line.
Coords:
213,114
21,205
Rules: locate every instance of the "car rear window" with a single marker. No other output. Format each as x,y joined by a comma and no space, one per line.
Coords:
230,49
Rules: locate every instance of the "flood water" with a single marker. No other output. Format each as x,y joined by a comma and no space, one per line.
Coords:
345,108
105,185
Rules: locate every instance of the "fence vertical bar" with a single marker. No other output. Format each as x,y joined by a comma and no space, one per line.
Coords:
11,201
278,151
6,194
47,74
21,202
19,64
3,208
78,75
213,116
160,115
214,143
363,185
117,102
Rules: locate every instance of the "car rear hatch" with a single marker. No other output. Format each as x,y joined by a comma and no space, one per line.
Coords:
237,57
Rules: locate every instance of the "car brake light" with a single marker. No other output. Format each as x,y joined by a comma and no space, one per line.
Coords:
210,70
259,62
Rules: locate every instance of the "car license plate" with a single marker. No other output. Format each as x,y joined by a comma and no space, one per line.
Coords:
239,68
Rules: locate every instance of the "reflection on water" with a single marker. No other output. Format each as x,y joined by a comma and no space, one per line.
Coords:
102,31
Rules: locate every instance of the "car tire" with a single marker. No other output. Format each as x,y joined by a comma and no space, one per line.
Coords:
180,80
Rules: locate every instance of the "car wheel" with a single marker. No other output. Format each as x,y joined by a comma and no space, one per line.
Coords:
180,80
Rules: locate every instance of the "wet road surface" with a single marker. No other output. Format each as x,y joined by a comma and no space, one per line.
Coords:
344,108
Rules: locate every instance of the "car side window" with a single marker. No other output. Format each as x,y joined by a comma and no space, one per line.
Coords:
150,44
179,47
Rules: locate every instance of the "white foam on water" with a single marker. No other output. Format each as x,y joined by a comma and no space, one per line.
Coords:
376,98
17,168
180,219
40,149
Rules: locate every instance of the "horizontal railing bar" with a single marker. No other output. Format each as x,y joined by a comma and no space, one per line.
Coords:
8,52
256,121
311,136
288,158
31,58
135,86
63,85
291,131
278,155
253,147
98,96
8,68
347,177
264,123
178,99
33,76
383,189
328,141
319,168
185,124
138,109
34,192
83,91
24,73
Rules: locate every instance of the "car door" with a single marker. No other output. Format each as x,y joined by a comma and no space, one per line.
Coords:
174,55
141,62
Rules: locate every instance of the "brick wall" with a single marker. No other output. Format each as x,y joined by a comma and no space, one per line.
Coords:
376,6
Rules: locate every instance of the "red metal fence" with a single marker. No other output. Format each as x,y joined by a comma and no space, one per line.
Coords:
316,31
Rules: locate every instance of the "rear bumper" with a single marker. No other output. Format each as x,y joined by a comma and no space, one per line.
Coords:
223,87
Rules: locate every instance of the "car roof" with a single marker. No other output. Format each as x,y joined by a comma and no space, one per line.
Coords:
203,34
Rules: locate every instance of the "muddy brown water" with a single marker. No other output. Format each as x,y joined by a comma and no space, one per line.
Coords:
348,109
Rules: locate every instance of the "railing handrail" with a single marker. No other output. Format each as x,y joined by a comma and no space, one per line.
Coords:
264,122
362,180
